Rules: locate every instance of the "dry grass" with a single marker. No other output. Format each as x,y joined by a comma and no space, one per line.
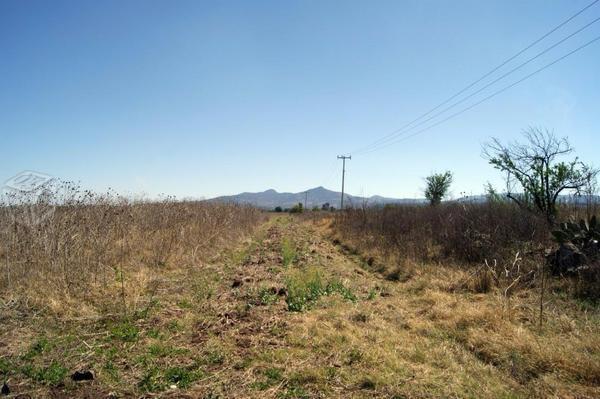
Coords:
464,334
468,232
288,313
98,254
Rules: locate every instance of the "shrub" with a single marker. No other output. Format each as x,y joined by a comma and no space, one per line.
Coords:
580,255
584,235
298,208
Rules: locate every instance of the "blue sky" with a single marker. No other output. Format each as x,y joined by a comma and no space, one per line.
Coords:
199,98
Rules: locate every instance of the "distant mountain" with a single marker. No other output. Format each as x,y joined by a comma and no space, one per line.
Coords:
314,197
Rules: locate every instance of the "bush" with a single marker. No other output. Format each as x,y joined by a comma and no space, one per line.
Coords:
298,208
579,254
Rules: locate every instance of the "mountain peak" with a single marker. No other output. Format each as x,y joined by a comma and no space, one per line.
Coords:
317,189
317,196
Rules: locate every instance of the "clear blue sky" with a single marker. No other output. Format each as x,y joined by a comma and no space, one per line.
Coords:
202,98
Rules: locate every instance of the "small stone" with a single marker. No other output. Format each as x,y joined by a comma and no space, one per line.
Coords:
173,386
82,375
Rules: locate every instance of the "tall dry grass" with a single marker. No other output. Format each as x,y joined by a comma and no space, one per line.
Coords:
503,245
78,251
462,232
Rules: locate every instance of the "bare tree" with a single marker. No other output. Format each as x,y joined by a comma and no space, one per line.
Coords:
533,168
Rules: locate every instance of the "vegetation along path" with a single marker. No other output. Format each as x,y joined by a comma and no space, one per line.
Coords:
294,313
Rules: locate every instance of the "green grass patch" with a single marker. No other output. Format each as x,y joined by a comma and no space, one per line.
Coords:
111,370
184,304
203,289
372,294
272,376
37,348
267,296
156,379
53,374
5,367
293,392
214,356
160,350
125,331
182,377
154,333
306,287
288,251
174,326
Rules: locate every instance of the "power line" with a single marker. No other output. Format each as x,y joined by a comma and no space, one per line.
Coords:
391,138
486,98
332,172
394,133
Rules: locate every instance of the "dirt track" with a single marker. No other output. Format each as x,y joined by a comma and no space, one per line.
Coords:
291,313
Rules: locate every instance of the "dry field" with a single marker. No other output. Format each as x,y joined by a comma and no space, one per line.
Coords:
277,307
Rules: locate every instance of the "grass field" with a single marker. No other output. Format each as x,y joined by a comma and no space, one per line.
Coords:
288,311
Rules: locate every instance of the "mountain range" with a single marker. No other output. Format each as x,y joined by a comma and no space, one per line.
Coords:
317,196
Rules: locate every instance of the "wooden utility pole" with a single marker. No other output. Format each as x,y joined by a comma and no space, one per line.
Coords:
343,158
305,199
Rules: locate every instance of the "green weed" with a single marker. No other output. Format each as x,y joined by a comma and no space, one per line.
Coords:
372,294
305,288
181,377
294,392
337,286
184,304
125,331
272,377
214,356
52,375
111,370
267,297
37,348
288,251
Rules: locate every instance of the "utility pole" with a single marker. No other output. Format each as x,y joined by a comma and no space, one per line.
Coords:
343,158
305,199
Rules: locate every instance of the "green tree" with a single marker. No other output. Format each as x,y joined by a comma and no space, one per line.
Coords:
299,208
438,185
535,176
